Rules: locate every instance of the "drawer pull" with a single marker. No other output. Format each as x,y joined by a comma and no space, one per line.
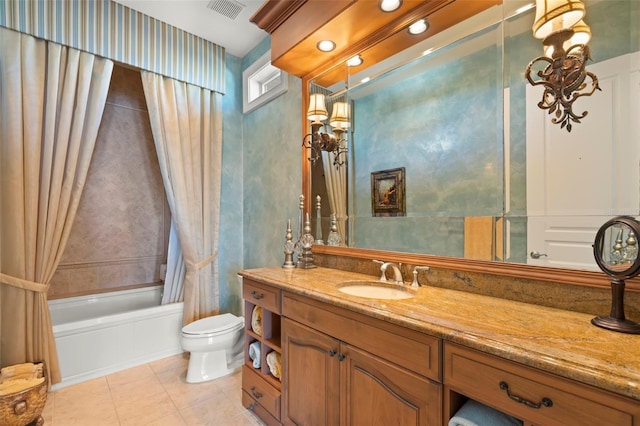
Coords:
332,352
255,393
257,295
545,401
341,357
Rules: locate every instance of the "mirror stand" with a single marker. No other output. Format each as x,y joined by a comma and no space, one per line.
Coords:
616,252
616,320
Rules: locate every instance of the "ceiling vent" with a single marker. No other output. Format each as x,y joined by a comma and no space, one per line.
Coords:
229,8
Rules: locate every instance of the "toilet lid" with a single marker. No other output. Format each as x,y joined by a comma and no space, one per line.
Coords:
214,324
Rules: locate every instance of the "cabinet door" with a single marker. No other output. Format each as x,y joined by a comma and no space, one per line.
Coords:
311,376
376,392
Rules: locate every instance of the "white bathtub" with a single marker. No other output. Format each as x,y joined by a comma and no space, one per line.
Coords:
103,333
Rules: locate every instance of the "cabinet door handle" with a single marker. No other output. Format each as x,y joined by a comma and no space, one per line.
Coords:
332,352
545,401
255,393
341,357
257,295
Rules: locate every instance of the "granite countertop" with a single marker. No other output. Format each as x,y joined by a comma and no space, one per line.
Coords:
557,341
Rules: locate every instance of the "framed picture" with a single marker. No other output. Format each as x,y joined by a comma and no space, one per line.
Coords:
387,193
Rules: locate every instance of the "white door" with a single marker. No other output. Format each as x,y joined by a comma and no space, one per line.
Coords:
578,180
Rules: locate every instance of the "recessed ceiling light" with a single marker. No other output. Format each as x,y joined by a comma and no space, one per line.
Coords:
355,61
418,27
389,5
326,45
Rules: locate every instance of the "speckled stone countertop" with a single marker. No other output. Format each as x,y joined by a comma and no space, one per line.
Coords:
557,341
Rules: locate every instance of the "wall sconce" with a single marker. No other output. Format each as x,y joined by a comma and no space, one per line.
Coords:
317,141
564,77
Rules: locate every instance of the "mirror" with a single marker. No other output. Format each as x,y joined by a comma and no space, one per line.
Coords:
487,176
615,250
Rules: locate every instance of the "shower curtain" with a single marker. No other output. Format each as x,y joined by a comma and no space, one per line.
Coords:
335,179
51,99
186,122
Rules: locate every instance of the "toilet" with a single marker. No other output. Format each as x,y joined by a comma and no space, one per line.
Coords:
215,344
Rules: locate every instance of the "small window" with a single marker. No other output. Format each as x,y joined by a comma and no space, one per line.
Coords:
262,82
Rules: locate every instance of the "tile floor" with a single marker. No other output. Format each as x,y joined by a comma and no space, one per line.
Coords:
151,394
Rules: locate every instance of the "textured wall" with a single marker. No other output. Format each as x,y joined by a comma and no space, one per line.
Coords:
272,172
120,233
230,236
444,126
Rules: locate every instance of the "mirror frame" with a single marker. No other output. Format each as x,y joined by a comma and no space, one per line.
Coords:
583,278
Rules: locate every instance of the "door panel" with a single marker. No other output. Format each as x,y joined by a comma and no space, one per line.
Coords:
577,180
311,376
377,392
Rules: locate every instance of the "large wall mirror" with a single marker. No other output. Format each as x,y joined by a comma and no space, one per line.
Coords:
486,175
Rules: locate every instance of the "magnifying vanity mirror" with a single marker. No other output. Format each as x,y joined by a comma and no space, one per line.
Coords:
490,182
615,251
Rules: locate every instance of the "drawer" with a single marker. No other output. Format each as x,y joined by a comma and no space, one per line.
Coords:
249,403
261,294
410,349
530,394
261,391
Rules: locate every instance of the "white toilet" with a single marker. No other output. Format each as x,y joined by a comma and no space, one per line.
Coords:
215,344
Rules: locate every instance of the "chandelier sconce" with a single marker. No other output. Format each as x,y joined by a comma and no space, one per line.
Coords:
317,141
560,25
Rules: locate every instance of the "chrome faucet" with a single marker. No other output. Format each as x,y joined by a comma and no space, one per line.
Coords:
397,274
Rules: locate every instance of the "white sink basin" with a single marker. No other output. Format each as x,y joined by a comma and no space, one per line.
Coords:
375,290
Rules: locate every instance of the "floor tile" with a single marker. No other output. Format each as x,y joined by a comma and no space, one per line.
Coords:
154,394
179,361
215,410
121,378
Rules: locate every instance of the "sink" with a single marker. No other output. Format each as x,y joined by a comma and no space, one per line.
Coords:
376,290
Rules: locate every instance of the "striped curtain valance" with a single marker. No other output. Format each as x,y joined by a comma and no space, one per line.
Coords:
114,31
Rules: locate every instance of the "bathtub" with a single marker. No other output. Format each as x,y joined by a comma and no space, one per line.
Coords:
103,333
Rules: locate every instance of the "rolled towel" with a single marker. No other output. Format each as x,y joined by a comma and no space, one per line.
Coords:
274,361
473,413
254,354
256,320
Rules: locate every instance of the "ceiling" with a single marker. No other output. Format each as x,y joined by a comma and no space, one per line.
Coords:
223,22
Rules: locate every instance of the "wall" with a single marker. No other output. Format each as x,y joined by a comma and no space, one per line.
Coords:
443,124
120,233
231,197
272,171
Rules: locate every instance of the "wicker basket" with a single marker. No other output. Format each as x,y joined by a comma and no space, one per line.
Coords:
25,407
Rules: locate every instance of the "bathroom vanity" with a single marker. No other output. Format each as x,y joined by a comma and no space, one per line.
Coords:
352,360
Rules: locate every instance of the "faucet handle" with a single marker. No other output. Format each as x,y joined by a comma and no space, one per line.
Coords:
415,282
383,277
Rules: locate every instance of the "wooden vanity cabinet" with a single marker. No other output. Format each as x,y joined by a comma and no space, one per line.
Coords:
261,391
366,371
531,395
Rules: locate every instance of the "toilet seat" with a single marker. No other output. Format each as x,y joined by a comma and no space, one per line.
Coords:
217,324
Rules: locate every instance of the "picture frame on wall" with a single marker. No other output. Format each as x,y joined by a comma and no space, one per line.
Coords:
388,193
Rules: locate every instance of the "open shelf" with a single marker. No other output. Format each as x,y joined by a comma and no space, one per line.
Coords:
269,340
